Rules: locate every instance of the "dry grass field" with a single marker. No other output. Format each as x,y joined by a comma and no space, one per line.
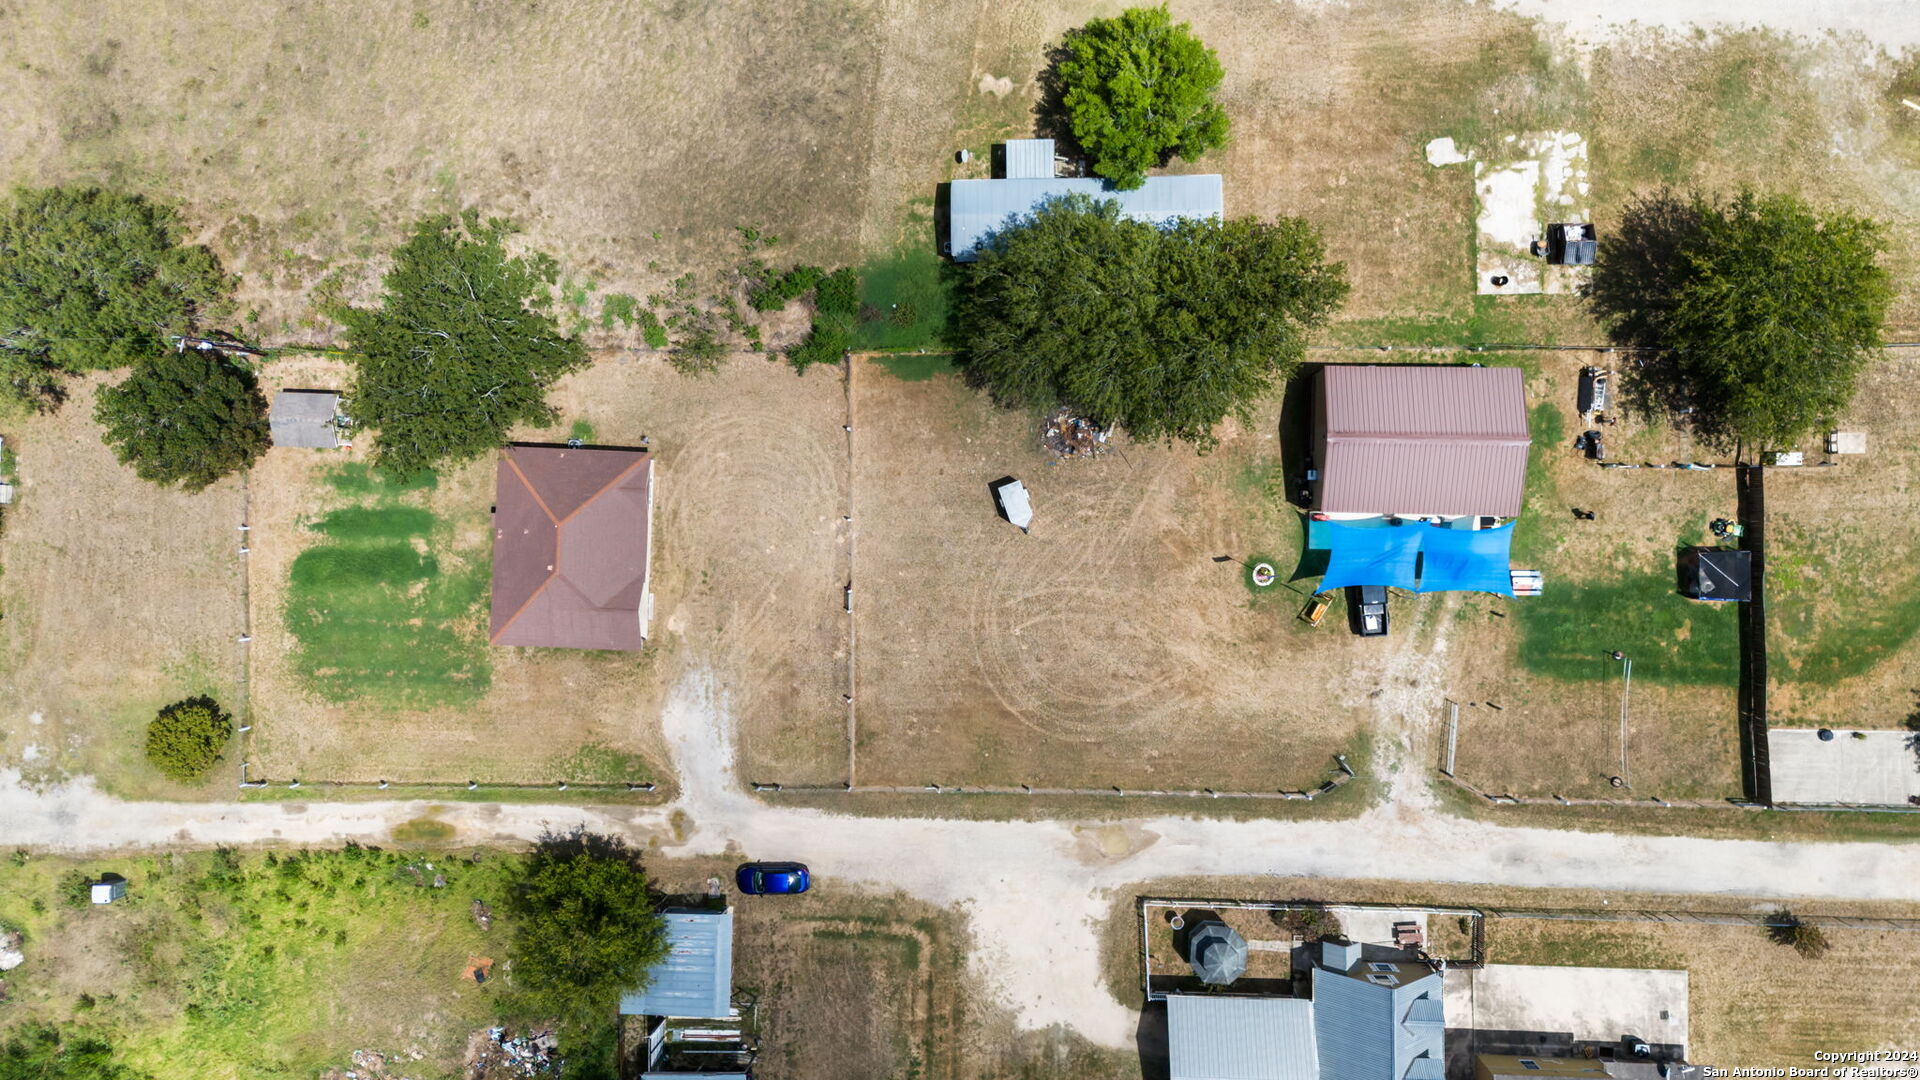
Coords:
631,141
1751,1001
749,480
117,598
1843,569
1108,647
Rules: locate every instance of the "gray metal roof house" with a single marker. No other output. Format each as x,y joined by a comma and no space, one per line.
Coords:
695,981
304,418
978,208
1376,1014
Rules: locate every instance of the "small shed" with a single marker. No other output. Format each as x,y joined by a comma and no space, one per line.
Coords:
695,980
1015,507
1572,245
1846,442
1218,954
107,890
1716,574
305,419
1029,159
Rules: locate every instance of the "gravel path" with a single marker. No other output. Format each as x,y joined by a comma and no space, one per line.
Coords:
1889,23
1035,891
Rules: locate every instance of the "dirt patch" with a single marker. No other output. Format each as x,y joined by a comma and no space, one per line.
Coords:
1108,646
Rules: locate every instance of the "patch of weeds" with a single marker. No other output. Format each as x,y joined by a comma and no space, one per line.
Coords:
422,831
916,367
595,763
358,479
904,299
836,309
618,308
652,330
581,431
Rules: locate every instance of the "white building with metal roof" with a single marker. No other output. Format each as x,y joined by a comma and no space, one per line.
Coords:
978,208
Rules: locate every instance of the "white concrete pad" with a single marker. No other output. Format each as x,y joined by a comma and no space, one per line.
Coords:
1601,1004
1373,927
1881,769
1534,182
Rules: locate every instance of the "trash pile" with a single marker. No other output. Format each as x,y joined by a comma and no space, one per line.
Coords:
11,955
372,1065
1071,436
504,1055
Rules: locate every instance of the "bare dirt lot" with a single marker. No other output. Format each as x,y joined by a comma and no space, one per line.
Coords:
118,597
1074,655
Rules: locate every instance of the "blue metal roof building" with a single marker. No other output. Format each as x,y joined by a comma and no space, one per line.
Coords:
695,981
978,208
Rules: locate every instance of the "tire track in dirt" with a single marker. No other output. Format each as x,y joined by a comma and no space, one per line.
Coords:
756,511
1025,609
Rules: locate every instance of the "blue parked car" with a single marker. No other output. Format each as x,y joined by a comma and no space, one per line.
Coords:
772,878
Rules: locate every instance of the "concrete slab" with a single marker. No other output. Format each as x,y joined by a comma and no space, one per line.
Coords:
1881,769
1374,927
1496,1006
1531,182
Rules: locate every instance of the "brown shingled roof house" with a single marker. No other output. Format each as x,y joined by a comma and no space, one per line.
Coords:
571,530
1421,440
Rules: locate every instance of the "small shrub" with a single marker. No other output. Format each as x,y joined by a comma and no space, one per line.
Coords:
186,738
768,291
653,330
1785,928
699,350
836,314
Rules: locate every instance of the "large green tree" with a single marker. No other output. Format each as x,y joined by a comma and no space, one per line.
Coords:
95,279
1136,91
1165,331
462,347
1757,314
586,929
186,418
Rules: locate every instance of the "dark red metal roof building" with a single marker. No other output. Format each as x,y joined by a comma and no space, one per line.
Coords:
571,533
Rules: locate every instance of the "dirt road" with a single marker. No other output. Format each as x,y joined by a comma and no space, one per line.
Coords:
1884,22
1035,891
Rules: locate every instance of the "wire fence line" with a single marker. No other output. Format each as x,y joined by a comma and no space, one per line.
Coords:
1332,783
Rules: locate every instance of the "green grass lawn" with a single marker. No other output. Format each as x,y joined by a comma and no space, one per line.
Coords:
905,297
219,965
384,612
1838,602
1570,631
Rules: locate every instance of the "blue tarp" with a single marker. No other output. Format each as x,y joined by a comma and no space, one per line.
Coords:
1370,554
1466,560
1374,552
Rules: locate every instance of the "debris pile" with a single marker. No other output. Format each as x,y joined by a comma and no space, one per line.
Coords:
372,1065
10,954
504,1055
1072,436
482,914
